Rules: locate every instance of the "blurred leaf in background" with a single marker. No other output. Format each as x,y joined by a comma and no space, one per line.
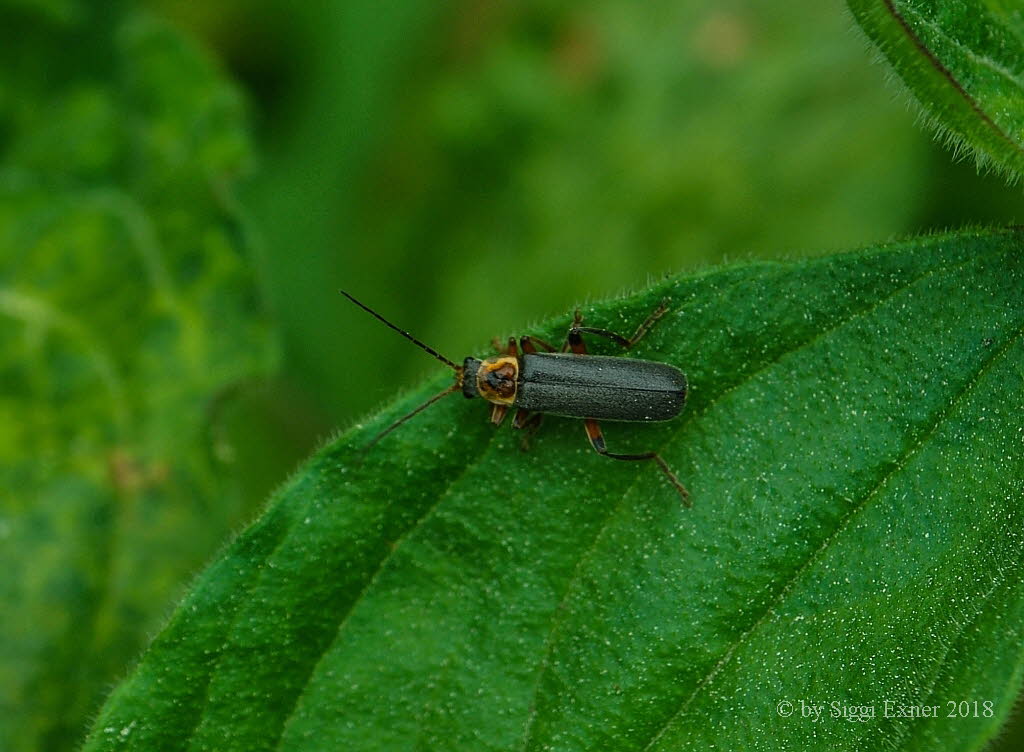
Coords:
471,166
129,315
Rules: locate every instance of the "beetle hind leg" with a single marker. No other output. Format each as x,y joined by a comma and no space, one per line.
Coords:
597,441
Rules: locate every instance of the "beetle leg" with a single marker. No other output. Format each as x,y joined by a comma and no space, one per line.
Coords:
650,321
529,344
616,338
641,330
522,417
498,413
530,421
597,441
573,340
508,349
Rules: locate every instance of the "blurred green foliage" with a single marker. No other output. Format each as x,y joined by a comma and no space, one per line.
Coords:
467,167
128,313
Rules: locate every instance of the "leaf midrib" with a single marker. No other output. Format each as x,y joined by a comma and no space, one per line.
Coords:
939,67
968,52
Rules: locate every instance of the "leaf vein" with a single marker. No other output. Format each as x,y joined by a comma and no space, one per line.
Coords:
746,378
344,620
900,463
943,71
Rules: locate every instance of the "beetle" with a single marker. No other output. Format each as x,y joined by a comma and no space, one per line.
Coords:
537,378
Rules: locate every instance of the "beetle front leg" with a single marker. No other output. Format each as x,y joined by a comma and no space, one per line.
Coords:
597,441
509,348
498,413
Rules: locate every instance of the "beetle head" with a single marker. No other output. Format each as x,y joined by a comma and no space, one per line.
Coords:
494,379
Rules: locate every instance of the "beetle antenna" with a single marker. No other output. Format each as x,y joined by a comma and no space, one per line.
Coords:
409,337
417,411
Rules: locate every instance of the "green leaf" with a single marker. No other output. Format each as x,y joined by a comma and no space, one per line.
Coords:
853,450
962,61
127,309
